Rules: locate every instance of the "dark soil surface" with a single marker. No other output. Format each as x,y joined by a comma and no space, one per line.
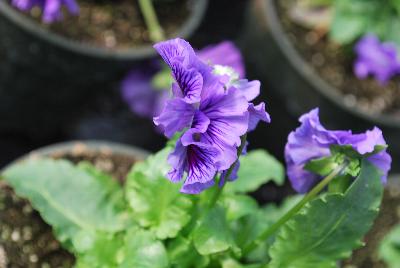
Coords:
335,65
389,216
117,23
26,241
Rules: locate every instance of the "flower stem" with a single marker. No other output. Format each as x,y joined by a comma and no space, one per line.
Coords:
219,189
150,17
308,197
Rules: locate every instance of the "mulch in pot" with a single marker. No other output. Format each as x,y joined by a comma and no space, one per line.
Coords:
26,241
117,23
335,65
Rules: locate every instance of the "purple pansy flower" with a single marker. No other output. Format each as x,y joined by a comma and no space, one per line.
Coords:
52,9
376,58
212,111
312,141
147,101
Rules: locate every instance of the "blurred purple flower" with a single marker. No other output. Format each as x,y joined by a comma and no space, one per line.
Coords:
147,101
212,115
137,90
52,9
225,54
312,141
376,58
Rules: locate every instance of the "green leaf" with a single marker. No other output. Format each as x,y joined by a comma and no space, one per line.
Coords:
231,263
256,168
351,19
72,200
249,227
396,6
238,206
322,166
156,202
182,254
212,233
389,249
330,227
103,253
143,250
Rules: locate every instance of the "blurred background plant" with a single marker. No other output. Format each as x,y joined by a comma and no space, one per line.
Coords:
370,26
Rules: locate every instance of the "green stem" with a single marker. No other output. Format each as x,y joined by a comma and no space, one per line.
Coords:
308,197
150,17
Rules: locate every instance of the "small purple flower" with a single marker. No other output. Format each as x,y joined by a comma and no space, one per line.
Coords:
137,90
376,58
52,9
147,101
312,141
213,112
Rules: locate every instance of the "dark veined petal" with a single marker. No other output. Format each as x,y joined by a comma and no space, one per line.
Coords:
200,122
178,161
201,167
221,104
176,116
189,81
257,114
176,51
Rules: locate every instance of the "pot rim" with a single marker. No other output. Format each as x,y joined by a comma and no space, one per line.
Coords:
92,145
147,51
308,73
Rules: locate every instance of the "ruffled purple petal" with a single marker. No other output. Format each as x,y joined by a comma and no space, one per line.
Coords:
176,51
366,142
383,161
201,167
224,53
189,81
229,103
200,122
197,187
257,114
301,180
311,141
178,161
176,116
250,89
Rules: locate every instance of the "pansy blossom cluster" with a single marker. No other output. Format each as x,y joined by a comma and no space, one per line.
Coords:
312,141
147,100
211,108
51,9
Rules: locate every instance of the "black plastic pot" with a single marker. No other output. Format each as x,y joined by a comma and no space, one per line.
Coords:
45,77
297,85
